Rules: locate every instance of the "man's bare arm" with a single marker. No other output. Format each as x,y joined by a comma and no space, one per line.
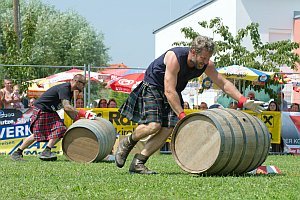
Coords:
172,69
69,109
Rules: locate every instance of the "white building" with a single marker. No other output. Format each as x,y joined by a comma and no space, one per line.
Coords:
277,20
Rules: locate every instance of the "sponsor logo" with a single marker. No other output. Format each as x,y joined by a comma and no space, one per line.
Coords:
14,131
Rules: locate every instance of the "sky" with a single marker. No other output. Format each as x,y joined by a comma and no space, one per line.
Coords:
127,25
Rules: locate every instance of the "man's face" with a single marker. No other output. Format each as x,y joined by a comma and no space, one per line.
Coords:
8,84
201,59
80,83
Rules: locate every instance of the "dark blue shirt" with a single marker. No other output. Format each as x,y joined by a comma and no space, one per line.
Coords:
155,73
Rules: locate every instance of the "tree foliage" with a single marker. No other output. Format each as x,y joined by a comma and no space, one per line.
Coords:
230,50
48,37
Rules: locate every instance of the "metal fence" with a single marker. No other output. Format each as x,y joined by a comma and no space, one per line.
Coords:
86,68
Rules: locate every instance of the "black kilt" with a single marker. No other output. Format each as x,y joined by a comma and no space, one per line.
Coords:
146,103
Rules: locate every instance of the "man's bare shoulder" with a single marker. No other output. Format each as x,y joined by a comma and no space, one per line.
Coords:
211,63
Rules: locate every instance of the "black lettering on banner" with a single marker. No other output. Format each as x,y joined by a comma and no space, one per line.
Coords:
125,132
271,136
100,114
118,119
267,119
114,117
124,121
6,143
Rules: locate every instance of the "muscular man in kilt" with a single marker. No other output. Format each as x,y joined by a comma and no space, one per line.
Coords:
156,104
45,123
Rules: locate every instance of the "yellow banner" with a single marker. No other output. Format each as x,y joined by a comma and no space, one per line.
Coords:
10,145
272,120
123,125
14,130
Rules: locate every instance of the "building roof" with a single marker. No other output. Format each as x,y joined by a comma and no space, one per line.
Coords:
194,9
296,14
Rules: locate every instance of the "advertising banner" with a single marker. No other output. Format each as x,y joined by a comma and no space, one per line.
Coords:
122,124
14,127
272,120
291,131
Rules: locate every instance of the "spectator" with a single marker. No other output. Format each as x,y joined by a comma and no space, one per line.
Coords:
273,106
17,104
25,100
203,106
112,103
186,105
31,102
102,103
251,96
294,107
282,102
79,103
233,105
1,99
7,92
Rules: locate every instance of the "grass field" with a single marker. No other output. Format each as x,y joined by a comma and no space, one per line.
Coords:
69,180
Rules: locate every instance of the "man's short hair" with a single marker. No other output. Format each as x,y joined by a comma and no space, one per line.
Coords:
202,42
77,77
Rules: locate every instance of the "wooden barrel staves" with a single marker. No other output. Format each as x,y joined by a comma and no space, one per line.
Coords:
89,140
220,142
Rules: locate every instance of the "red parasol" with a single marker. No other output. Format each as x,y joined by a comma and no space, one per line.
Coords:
68,75
127,83
115,74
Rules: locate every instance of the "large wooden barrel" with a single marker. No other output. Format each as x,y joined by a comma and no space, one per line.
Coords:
89,140
220,142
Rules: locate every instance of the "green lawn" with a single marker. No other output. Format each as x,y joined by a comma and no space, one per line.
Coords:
69,180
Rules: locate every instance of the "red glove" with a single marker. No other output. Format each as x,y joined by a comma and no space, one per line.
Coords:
250,104
86,114
241,102
181,115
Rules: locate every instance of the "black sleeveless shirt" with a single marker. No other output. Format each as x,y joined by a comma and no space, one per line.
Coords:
155,73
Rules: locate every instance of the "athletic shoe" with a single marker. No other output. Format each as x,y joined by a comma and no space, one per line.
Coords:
15,156
47,155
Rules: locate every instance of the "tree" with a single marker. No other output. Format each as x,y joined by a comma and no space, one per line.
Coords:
229,51
49,37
